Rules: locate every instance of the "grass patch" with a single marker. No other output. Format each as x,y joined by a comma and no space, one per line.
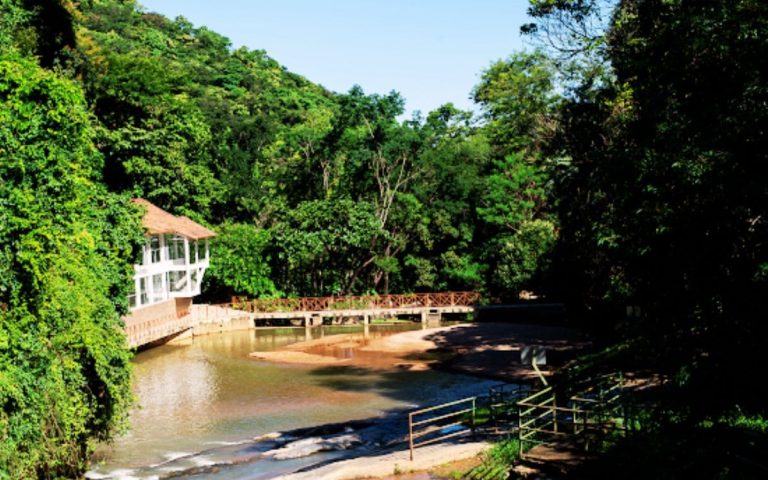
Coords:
497,461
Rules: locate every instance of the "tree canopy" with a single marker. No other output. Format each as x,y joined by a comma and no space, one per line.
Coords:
618,167
66,249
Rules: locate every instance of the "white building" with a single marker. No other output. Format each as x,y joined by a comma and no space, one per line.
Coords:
173,262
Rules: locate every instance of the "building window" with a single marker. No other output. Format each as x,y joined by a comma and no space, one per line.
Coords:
154,245
175,248
143,294
177,280
158,292
132,296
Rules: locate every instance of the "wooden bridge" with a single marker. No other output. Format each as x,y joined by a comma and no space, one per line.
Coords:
312,310
167,320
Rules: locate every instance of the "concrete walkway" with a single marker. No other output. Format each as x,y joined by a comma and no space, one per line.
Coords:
393,462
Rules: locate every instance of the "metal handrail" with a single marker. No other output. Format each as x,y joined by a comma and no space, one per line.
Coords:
412,435
541,416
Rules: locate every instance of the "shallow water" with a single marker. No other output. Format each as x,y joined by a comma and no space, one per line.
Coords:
199,403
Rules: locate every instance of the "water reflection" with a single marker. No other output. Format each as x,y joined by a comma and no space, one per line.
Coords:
208,393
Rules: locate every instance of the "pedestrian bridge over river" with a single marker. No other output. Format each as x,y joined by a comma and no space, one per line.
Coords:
312,310
243,313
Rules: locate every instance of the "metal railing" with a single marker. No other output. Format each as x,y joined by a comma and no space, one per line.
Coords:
435,425
502,402
597,405
600,403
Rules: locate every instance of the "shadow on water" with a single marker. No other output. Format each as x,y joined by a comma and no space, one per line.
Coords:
201,404
414,387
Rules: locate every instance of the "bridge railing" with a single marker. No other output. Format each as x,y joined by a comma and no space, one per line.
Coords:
362,302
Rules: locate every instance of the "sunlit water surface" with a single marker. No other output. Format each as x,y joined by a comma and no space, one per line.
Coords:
204,397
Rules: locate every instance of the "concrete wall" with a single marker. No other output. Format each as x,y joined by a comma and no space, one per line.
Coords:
225,325
163,311
209,319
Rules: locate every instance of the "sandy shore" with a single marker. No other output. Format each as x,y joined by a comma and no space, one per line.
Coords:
301,358
490,350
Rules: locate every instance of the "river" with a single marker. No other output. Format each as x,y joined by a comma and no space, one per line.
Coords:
202,402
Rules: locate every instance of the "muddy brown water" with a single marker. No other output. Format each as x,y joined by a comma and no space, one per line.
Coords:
198,403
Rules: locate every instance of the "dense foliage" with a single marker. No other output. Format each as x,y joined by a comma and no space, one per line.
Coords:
351,198
65,252
312,192
662,209
620,166
662,205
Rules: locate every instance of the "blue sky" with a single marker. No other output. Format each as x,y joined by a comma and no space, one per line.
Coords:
431,51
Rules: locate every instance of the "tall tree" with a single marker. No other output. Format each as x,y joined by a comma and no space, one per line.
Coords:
66,249
663,205
520,108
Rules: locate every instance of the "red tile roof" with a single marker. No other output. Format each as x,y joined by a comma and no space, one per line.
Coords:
157,221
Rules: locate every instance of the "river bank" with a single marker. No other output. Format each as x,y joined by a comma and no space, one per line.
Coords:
207,410
489,350
485,350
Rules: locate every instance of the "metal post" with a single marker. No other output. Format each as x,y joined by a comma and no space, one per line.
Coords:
586,420
473,417
536,367
554,411
410,433
574,419
520,431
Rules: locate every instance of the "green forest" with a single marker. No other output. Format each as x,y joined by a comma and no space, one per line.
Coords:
618,167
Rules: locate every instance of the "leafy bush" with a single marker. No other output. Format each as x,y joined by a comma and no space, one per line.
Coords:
65,260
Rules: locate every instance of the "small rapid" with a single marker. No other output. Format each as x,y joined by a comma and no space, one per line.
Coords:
206,410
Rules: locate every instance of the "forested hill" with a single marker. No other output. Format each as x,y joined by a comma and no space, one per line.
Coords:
622,170
313,192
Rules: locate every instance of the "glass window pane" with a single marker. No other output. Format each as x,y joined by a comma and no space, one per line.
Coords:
143,294
154,243
158,294
178,281
132,295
